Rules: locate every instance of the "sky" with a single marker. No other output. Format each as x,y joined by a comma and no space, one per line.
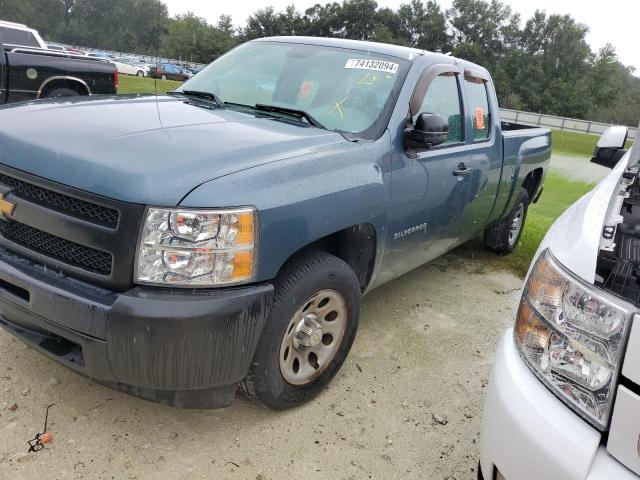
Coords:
613,23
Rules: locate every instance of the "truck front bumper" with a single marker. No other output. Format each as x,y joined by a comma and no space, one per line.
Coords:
187,348
528,434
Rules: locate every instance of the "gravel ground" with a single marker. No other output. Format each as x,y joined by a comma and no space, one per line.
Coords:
407,403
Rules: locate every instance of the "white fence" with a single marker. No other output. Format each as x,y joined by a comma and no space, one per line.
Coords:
558,123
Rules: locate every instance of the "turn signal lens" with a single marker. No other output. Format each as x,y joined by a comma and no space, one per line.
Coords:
245,229
242,265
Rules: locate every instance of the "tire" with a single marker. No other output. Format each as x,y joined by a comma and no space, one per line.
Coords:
61,92
503,237
303,286
163,77
140,74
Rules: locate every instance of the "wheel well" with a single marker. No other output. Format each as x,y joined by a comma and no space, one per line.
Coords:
64,83
532,182
355,245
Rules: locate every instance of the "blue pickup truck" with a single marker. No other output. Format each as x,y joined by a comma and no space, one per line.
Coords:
178,246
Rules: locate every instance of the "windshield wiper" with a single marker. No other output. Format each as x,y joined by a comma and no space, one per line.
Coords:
200,94
290,111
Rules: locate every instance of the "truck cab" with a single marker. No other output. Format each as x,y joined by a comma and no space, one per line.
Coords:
19,35
177,246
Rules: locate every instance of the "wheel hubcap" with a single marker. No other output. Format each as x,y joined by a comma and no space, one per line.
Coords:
516,224
308,332
313,336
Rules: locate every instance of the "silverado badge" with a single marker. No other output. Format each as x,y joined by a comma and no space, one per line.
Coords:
6,207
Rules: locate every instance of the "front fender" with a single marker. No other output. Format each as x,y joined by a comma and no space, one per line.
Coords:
303,199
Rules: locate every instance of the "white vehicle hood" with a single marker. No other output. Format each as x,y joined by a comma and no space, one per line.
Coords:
574,238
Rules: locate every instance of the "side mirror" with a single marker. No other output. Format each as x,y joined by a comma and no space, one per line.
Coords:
429,131
610,148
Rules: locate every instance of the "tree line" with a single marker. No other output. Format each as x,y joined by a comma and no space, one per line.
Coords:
540,64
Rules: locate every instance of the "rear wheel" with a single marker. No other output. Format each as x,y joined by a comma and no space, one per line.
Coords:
140,73
310,329
61,92
163,77
503,237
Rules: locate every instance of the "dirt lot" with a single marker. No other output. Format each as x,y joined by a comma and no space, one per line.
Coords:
407,403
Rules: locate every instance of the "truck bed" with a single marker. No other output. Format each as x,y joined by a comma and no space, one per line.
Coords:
29,73
509,127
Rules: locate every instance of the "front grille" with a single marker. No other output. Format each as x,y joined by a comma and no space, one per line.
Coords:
62,203
57,248
81,234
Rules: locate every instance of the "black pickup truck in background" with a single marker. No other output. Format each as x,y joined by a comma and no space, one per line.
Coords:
28,73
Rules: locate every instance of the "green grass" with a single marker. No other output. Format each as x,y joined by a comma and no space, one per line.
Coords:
575,144
131,84
559,193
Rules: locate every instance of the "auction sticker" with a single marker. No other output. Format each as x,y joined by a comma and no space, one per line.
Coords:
367,64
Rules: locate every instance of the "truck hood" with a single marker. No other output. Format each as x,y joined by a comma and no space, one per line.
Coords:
146,149
574,238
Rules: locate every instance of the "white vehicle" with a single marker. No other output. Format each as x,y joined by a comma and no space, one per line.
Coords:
16,34
564,399
127,67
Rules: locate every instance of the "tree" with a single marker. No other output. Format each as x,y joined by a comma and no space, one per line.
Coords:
542,65
323,21
225,25
480,29
424,26
358,19
190,38
268,23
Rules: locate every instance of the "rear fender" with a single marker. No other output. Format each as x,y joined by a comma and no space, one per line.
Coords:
521,159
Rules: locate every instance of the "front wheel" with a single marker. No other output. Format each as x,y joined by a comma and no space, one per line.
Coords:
163,77
140,73
309,331
503,237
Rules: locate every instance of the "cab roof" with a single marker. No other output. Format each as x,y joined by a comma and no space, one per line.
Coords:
15,26
406,53
398,51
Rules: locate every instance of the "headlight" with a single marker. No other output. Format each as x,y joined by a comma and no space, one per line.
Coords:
197,248
573,337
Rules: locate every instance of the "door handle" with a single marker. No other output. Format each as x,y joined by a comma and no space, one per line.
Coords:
462,170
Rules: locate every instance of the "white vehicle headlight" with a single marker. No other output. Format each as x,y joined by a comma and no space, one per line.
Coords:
197,248
573,335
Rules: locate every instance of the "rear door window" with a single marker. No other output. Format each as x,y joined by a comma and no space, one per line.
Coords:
22,38
478,98
443,98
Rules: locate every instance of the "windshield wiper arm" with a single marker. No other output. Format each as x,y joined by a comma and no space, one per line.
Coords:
200,94
290,111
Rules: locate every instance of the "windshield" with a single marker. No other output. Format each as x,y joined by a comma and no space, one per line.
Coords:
345,90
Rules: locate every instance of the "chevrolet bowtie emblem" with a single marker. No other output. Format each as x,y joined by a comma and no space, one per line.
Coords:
6,207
